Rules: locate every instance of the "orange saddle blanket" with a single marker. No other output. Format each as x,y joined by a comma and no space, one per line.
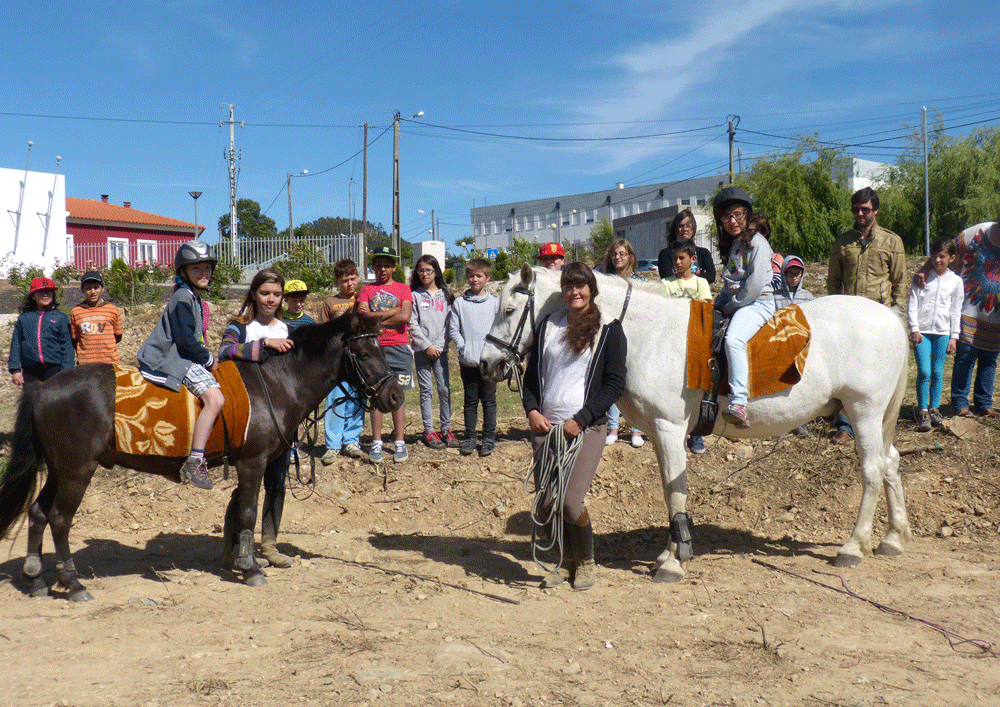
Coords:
151,420
777,353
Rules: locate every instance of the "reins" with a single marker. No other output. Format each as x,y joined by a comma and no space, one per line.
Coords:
551,471
512,356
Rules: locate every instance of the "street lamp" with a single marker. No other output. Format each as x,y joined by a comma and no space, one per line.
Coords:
290,175
396,118
195,195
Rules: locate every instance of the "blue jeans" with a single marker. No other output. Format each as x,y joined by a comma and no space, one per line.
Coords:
930,354
614,418
745,322
343,423
966,357
430,373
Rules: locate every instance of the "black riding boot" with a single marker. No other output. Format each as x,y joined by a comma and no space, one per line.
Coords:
270,520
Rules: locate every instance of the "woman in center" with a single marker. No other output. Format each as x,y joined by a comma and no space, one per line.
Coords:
576,372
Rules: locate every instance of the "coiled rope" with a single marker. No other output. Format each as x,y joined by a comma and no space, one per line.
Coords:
551,471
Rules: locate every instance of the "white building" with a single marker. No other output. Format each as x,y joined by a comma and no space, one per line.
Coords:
863,173
33,229
569,219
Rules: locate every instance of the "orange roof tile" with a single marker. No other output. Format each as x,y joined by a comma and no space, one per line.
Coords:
95,210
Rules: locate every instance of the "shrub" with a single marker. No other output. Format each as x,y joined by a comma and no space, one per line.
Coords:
305,262
399,275
226,275
130,285
449,276
20,276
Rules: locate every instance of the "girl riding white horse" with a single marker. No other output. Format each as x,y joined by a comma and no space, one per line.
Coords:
857,359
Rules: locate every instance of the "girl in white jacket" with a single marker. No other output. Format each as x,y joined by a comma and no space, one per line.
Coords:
935,312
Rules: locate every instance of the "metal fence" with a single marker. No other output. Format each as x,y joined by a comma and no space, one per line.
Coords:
249,254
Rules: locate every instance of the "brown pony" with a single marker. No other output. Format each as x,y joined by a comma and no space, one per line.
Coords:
282,391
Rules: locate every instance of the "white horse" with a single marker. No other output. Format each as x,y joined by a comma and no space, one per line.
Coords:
857,359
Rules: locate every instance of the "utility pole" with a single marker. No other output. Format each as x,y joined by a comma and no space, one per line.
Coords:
927,189
395,182
289,205
48,214
231,156
434,235
364,211
731,135
20,201
739,151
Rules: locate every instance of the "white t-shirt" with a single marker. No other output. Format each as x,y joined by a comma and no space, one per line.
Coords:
564,373
256,330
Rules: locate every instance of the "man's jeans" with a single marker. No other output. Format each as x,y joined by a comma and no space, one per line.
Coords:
967,356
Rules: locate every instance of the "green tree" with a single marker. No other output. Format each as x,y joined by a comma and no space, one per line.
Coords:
250,222
806,207
602,235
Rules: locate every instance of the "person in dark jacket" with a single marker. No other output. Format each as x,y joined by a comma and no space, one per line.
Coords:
684,226
42,343
576,371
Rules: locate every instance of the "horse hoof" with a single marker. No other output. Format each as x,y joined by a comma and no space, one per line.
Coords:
82,595
888,550
38,588
667,576
255,579
846,560
32,566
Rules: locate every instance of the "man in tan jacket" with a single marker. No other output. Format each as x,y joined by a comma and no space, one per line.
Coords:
867,261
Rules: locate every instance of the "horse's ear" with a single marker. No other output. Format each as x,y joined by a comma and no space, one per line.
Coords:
527,274
363,323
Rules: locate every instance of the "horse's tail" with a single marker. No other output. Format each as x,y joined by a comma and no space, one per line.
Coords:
19,480
891,415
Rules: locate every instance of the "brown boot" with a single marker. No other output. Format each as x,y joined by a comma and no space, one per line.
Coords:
274,503
195,472
564,572
581,534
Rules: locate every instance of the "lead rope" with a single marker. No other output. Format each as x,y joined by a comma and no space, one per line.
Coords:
551,470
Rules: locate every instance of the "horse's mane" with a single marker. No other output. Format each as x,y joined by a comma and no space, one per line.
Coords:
313,338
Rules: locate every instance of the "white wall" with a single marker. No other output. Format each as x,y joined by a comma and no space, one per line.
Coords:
435,248
32,247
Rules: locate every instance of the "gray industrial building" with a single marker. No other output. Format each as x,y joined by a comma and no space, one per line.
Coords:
569,219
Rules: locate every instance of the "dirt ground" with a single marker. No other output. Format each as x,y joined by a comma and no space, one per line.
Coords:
413,584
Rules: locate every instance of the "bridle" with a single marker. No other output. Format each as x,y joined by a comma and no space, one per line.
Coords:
369,390
513,357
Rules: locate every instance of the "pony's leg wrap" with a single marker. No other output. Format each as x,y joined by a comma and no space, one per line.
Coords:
244,554
69,581
680,534
33,568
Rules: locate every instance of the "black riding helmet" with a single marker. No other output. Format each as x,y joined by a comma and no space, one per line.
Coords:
194,252
727,196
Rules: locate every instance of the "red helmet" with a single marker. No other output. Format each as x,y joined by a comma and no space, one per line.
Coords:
550,249
41,283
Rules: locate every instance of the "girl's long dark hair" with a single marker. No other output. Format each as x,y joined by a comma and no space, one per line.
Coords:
676,224
438,277
582,327
248,312
30,305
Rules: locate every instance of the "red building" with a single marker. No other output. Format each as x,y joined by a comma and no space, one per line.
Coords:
99,231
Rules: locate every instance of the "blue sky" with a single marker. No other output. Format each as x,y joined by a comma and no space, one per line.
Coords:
521,100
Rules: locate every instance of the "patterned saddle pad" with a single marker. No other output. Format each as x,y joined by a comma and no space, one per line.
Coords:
151,420
777,353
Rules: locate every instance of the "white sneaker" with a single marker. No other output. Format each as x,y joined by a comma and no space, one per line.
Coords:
637,441
610,439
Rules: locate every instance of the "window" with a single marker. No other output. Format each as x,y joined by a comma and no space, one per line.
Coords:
117,248
147,252
701,202
565,222
685,202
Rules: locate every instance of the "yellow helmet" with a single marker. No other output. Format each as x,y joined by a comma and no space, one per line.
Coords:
296,287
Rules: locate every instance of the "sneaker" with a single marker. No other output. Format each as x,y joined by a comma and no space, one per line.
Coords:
401,454
737,415
195,472
610,439
486,448
637,441
924,421
330,456
696,444
433,440
936,417
352,450
468,446
375,453
450,440
843,437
